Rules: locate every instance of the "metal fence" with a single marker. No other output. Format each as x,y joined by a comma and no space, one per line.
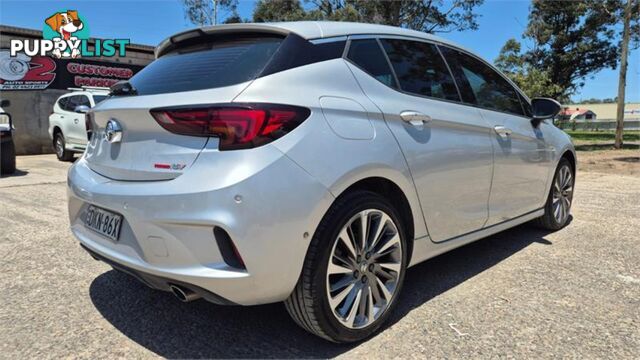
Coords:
598,125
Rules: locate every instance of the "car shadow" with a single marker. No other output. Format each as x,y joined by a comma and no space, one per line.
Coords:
160,323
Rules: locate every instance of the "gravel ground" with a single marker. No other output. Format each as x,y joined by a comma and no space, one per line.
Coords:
522,293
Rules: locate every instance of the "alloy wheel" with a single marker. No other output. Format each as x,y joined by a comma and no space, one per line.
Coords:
59,146
364,268
562,194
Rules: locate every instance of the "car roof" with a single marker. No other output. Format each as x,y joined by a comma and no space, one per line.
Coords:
309,30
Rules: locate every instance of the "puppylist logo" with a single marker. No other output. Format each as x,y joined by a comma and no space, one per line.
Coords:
66,35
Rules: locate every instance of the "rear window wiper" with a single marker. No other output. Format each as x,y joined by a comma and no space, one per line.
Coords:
122,87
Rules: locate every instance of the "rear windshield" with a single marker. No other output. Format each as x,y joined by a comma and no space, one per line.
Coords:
99,98
218,64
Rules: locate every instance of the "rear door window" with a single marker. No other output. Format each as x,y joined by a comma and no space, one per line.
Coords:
82,100
420,69
74,101
368,56
203,66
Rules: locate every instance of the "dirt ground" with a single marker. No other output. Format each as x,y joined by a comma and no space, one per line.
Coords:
522,293
622,162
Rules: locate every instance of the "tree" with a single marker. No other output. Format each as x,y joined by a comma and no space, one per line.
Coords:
205,12
278,10
622,80
572,40
532,81
424,15
234,19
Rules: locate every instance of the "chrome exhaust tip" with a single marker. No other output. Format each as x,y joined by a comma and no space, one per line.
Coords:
183,294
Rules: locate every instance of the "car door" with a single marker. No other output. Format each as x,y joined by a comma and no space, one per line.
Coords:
446,144
522,155
76,127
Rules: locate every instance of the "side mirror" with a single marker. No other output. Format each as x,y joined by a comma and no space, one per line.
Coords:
544,108
5,103
82,109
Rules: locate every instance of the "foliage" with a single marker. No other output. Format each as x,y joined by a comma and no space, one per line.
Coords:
424,15
234,18
572,40
532,81
201,12
278,10
582,135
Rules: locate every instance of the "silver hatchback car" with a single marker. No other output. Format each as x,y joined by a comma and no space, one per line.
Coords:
311,163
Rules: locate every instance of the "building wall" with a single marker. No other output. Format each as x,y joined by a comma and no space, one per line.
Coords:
30,109
608,111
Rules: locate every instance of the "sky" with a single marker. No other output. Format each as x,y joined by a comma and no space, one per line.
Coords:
150,21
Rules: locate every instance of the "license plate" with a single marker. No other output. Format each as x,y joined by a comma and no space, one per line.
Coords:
103,222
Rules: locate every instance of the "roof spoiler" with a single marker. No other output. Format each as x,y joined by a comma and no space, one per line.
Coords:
174,41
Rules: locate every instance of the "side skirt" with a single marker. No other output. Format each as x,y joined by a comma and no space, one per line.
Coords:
424,249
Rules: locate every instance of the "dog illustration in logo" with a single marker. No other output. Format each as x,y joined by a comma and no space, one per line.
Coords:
65,24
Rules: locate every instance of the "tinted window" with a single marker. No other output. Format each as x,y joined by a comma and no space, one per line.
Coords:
80,100
64,103
481,85
296,51
420,69
99,98
368,55
526,106
218,64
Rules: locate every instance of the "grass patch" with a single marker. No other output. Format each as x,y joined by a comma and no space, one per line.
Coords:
598,147
629,135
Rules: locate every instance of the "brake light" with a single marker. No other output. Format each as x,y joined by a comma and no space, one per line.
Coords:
239,126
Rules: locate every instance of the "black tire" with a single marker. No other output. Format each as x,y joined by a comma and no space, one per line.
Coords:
59,147
308,304
548,221
7,158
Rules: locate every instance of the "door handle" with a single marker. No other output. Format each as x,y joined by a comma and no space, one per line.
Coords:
415,118
502,131
75,121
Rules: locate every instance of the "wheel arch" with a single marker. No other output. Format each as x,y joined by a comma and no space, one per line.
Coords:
56,129
571,157
392,192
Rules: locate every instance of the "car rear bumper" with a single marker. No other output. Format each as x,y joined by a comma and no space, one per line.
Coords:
270,214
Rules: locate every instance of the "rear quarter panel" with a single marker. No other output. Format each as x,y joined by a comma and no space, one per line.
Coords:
337,161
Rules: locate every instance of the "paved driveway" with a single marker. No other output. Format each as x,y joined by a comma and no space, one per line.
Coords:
523,292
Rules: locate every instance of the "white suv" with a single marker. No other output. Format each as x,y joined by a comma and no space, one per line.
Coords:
66,123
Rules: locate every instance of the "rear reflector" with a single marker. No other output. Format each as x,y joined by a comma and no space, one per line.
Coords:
239,126
228,249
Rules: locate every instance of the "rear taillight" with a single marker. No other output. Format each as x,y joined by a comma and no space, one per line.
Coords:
239,126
